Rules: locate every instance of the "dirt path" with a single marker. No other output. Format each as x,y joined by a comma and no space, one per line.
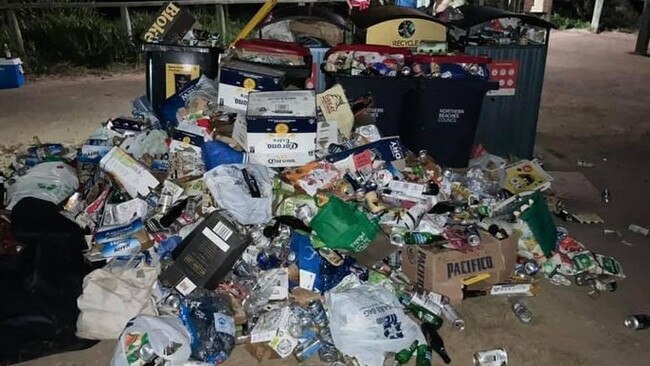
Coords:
65,109
595,105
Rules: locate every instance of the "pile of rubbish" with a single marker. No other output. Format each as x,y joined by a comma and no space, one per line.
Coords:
282,227
340,257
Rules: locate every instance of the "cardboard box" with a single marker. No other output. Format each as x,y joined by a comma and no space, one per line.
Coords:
281,127
206,254
238,78
129,173
170,25
442,270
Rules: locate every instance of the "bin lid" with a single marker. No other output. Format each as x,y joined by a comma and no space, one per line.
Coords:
308,12
178,48
272,46
379,14
476,14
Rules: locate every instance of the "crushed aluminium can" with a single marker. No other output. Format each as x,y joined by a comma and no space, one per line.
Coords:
493,357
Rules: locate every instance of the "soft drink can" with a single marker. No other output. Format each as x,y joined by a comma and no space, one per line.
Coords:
493,357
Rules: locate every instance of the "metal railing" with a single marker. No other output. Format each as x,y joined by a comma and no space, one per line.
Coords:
221,13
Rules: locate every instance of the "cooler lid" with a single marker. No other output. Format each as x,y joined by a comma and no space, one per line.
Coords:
476,14
11,61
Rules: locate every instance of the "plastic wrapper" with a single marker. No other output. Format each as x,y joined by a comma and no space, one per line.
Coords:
208,316
142,108
150,142
51,181
494,166
158,334
197,96
480,185
245,190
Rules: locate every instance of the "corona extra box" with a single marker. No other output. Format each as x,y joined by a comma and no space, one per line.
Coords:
281,127
238,78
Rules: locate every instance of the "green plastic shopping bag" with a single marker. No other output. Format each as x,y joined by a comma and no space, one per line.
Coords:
340,225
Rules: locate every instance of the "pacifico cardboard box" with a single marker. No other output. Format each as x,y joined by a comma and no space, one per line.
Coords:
443,270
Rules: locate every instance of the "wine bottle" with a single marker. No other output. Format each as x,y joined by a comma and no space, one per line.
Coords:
435,341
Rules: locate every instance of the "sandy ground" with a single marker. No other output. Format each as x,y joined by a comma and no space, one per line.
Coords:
595,106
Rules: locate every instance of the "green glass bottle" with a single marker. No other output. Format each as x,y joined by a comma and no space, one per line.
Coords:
404,356
420,312
423,355
421,238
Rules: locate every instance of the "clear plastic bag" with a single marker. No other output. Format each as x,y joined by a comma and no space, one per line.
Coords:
163,334
245,190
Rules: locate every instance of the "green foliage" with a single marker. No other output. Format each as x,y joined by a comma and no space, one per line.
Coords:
616,14
568,23
72,40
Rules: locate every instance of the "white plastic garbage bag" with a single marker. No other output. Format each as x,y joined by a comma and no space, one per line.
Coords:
232,191
110,299
50,181
367,321
163,333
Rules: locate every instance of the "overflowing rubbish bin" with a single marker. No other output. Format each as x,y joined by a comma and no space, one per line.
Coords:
518,45
313,27
168,68
293,60
431,102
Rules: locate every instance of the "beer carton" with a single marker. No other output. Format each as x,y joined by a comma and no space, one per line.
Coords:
281,128
443,270
238,78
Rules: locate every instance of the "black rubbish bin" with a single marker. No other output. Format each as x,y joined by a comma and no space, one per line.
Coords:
443,117
169,67
388,94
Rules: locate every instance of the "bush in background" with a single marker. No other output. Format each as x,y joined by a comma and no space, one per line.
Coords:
68,40
616,14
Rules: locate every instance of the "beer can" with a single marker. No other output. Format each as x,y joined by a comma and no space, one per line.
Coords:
173,301
317,312
327,353
453,317
493,357
637,322
472,235
146,353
